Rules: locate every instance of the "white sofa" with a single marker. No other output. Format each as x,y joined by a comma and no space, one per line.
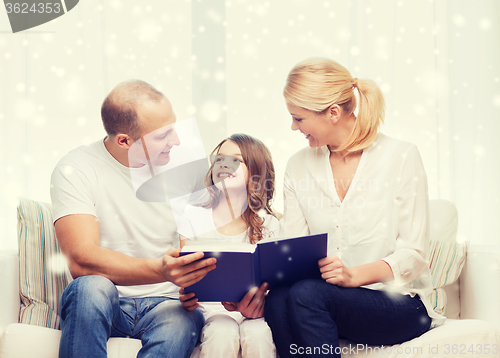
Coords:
473,305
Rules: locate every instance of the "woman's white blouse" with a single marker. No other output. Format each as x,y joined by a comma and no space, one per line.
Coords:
384,215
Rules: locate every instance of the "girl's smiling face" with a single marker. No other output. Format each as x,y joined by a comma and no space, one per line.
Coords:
229,167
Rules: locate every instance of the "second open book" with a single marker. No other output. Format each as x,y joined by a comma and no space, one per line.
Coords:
242,266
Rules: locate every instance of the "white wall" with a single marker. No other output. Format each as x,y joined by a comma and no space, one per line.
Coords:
225,62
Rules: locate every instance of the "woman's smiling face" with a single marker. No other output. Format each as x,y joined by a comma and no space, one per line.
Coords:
315,126
229,167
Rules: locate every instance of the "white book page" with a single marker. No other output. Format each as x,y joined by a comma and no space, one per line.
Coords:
218,246
272,239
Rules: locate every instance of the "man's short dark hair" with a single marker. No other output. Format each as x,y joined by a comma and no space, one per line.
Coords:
119,109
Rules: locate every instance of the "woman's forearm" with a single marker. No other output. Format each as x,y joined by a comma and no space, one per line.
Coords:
378,271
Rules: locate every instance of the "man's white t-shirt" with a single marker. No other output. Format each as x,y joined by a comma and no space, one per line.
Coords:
89,180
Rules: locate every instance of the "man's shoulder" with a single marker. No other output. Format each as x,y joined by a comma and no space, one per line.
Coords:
83,157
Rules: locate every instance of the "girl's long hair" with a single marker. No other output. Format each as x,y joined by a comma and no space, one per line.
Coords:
260,184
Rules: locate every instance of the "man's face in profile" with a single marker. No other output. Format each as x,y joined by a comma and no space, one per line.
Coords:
158,135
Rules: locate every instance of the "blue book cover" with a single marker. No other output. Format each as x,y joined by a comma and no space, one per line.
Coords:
284,262
242,266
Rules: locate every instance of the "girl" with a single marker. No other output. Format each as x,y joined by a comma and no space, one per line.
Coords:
241,187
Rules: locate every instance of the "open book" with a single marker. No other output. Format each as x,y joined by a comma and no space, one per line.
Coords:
242,266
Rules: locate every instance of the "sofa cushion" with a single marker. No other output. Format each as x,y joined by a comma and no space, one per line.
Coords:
466,337
455,338
44,343
447,260
446,256
43,272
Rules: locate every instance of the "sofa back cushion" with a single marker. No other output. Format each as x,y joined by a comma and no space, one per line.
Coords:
43,272
446,255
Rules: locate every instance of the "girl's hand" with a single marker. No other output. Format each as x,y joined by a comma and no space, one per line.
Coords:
188,300
333,271
252,305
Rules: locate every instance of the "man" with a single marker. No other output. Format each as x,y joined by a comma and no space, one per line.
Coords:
119,248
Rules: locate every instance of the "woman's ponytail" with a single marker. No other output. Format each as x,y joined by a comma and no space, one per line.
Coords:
371,111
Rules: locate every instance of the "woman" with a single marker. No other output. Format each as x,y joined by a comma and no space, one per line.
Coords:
369,193
241,186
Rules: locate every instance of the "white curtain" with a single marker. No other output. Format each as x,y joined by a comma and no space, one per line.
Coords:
225,62
437,62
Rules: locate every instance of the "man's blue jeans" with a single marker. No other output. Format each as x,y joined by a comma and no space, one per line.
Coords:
92,312
308,318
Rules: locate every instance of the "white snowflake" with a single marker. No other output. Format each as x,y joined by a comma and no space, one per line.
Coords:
116,4
27,159
211,110
354,51
459,20
385,87
344,34
39,121
496,100
420,109
148,31
81,121
220,76
25,108
485,24
479,151
20,87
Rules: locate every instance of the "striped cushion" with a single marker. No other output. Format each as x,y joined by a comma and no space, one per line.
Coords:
43,272
446,262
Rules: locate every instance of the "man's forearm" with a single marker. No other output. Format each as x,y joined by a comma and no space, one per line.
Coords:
79,238
121,269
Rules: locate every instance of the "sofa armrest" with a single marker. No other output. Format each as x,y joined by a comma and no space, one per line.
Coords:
9,289
480,284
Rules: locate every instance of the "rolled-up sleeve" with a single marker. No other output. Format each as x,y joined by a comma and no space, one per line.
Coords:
410,254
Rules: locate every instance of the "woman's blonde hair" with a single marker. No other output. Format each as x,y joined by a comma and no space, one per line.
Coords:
318,83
